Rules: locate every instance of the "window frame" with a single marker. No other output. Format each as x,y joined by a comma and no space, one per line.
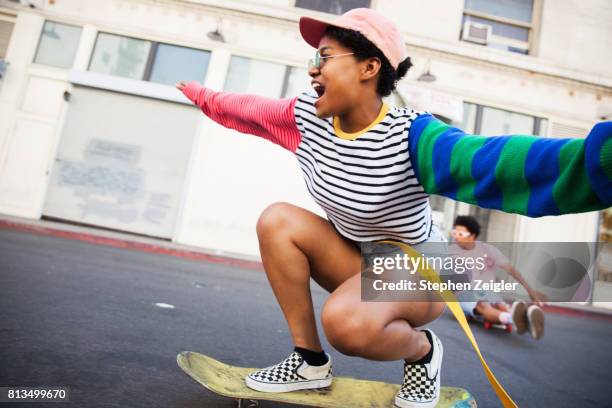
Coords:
148,70
533,27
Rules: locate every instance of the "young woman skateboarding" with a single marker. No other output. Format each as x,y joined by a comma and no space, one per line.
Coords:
370,167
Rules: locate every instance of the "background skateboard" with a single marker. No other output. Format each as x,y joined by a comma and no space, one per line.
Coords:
487,325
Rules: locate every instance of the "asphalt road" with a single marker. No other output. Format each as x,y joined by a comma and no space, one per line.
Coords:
83,316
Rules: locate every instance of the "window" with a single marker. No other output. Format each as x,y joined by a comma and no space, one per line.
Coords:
332,6
172,64
296,81
247,75
149,61
264,78
58,44
488,121
511,22
120,56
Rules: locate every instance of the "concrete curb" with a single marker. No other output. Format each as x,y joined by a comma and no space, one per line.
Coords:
117,240
579,311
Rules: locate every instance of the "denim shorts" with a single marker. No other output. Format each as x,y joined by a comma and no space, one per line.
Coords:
435,235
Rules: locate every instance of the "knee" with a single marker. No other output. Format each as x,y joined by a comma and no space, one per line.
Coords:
275,218
437,309
347,331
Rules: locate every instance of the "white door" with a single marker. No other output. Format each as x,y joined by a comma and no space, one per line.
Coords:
121,162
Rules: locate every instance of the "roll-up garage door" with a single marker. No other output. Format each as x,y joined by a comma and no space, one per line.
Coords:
121,162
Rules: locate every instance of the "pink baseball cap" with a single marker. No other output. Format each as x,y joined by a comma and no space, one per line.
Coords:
374,26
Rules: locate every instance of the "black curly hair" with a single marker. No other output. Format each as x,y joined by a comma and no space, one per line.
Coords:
469,222
364,49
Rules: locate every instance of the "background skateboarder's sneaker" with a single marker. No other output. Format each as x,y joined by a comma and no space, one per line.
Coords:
535,318
291,374
518,311
421,386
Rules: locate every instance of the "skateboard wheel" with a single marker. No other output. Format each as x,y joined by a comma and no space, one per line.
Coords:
509,328
487,325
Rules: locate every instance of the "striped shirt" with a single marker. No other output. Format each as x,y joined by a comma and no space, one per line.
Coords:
366,186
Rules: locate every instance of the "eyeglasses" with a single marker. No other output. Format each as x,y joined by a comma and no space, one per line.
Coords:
461,234
318,60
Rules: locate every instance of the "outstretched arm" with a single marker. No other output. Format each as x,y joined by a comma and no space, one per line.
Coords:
528,175
272,119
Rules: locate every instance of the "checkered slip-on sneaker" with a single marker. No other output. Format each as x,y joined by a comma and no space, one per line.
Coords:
291,374
421,387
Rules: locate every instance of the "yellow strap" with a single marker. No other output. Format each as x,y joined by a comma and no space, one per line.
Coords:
453,305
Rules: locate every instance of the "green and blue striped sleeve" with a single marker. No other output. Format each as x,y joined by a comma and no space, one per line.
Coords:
528,175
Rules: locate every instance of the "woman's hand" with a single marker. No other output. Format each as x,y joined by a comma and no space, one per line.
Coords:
181,85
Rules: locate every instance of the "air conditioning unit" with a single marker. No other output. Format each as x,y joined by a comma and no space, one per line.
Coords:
476,32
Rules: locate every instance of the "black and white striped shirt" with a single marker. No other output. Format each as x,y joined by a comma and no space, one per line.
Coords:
366,186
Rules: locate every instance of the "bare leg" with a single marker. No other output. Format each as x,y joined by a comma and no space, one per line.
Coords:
488,312
377,330
295,245
501,307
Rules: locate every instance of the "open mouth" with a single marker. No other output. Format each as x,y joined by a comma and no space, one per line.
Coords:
319,89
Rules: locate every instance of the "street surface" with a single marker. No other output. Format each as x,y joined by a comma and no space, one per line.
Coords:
82,315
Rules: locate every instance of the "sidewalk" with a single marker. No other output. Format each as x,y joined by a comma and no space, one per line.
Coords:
152,245
119,239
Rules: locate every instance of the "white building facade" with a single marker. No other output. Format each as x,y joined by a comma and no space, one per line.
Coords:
92,130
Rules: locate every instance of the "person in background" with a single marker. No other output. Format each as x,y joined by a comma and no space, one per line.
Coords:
465,233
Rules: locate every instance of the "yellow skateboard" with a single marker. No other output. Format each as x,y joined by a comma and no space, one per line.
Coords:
344,392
